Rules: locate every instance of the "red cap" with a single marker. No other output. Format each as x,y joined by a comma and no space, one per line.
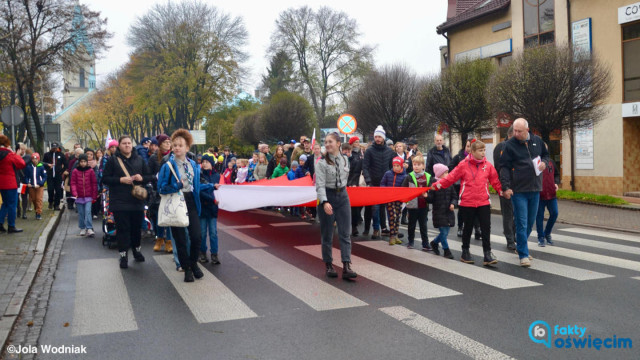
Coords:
35,156
397,160
353,139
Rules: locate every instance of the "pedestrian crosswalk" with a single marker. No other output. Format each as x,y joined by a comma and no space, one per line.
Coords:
600,233
102,301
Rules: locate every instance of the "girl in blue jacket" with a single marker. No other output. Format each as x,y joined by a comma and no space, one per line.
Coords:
394,178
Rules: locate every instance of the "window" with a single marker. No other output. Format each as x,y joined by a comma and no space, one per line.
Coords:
631,61
539,23
81,77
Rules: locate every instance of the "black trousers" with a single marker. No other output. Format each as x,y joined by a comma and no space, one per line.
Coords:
355,216
54,189
367,218
418,216
128,225
188,257
469,216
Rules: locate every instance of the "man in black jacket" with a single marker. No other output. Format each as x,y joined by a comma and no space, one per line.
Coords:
506,206
377,160
56,164
523,159
438,154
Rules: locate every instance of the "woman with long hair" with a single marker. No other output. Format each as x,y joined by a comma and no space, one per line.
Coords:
260,171
275,161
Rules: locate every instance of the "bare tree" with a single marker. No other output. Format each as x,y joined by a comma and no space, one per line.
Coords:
325,47
457,97
552,91
37,35
390,96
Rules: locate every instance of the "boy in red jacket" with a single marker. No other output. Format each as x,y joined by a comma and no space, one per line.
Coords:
548,200
84,187
474,173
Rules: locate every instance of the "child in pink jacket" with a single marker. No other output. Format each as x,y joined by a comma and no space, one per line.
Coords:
84,187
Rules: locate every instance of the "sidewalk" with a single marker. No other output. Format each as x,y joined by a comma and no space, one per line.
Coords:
608,218
20,256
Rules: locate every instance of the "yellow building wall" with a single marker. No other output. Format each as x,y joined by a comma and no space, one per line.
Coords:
478,33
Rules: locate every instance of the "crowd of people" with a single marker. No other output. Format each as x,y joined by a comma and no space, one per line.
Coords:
523,176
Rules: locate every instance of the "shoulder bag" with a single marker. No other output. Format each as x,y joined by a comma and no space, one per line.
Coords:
173,208
138,191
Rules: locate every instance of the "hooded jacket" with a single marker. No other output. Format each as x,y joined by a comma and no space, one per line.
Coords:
474,176
393,179
10,165
35,174
84,183
377,161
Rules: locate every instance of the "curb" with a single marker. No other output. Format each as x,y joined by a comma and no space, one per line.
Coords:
622,207
15,305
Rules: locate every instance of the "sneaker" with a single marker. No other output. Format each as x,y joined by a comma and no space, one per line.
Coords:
525,262
448,254
50,206
427,248
214,259
548,238
466,257
541,242
124,260
197,272
24,216
489,259
179,268
477,236
137,255
511,246
83,232
376,235
38,217
400,236
398,241
409,247
385,232
435,247
459,232
392,241
355,232
330,271
94,217
203,258
90,232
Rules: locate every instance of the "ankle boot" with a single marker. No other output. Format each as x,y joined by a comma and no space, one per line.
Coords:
137,255
188,275
347,273
159,244
168,248
489,259
197,273
124,260
448,254
466,256
331,272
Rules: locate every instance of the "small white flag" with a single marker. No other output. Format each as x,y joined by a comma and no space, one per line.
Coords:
106,145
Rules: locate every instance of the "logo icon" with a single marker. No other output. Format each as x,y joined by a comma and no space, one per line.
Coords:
540,332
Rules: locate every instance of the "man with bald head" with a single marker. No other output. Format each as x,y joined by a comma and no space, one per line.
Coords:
522,155
439,154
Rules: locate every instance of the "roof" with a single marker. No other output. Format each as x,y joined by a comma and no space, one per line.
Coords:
479,9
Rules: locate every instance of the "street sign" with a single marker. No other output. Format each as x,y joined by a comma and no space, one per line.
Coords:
52,132
12,115
347,124
199,137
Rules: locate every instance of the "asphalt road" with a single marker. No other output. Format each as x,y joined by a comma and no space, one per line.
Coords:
269,299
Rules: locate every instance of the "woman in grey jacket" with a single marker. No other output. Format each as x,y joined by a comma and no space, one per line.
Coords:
332,172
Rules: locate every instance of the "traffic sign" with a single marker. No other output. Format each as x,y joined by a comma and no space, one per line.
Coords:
199,137
12,115
347,124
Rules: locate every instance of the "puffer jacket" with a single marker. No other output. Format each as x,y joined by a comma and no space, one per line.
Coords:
377,161
392,179
84,183
474,176
441,200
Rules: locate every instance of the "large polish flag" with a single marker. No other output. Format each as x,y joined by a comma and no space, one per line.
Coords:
302,192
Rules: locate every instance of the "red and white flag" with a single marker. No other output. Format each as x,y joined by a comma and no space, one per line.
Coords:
313,139
109,138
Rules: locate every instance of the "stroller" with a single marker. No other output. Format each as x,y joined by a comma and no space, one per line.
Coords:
108,223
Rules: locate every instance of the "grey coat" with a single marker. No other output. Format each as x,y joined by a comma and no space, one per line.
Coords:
331,176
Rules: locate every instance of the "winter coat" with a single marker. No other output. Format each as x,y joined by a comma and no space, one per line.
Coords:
355,169
435,156
417,202
168,184
273,164
300,172
474,176
550,178
279,171
497,153
442,200
58,162
120,194
143,152
84,183
37,178
260,172
10,165
377,161
291,174
392,179
517,171
208,178
457,159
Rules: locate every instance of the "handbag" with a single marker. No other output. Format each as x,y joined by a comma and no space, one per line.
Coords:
173,208
138,191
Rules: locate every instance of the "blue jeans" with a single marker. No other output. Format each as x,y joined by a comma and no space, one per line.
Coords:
525,209
552,205
212,225
84,216
442,237
375,216
9,206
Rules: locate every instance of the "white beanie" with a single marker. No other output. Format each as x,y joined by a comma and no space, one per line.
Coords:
380,132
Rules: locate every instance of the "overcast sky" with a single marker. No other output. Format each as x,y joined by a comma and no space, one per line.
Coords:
403,31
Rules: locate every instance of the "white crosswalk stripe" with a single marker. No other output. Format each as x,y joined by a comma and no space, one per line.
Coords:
102,303
296,223
636,277
605,234
407,284
208,299
314,292
596,244
479,274
245,238
453,339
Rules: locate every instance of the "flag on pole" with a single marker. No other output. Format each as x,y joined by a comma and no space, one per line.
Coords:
106,144
313,139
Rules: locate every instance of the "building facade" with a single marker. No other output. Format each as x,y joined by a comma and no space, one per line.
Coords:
607,154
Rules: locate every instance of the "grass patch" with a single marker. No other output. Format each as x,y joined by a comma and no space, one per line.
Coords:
598,199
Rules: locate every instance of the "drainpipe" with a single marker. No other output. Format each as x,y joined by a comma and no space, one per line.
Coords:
571,119
447,65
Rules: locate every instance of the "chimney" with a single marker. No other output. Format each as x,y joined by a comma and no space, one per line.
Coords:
451,10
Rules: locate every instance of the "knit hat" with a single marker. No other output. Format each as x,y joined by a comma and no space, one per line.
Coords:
208,157
353,139
303,157
380,132
389,142
294,164
83,157
397,160
162,138
113,143
144,140
439,170
220,158
154,141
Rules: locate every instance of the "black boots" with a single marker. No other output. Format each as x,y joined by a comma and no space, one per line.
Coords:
347,273
197,273
124,260
448,254
489,259
331,272
13,230
466,257
137,255
188,275
435,247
